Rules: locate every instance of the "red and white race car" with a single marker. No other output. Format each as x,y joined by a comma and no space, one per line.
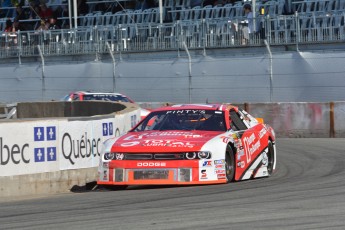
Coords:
93,96
190,144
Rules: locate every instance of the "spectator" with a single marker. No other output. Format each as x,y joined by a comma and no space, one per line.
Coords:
20,13
52,23
16,26
34,10
45,12
8,27
24,14
248,29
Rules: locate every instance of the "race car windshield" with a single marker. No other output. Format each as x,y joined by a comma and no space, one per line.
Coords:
105,97
207,120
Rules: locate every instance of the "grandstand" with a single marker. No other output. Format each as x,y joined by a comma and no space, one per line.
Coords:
129,29
184,51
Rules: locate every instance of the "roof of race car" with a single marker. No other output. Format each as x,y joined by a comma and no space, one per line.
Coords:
96,93
220,107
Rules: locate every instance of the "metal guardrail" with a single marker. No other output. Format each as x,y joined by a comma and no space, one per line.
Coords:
197,34
8,111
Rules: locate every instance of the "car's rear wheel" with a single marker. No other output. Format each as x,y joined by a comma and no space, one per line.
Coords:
229,165
270,158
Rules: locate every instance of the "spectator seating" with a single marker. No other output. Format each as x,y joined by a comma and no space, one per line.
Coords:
179,10
316,18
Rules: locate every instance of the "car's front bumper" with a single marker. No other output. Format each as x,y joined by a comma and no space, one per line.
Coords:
160,172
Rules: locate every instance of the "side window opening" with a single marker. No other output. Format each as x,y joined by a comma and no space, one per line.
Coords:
75,97
236,121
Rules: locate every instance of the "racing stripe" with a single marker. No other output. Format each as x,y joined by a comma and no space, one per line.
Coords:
256,170
253,167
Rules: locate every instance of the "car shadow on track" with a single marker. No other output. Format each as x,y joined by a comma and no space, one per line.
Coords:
93,187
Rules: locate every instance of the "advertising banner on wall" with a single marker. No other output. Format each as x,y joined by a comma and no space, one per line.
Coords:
30,147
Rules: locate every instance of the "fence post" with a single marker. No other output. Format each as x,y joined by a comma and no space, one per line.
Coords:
331,120
43,70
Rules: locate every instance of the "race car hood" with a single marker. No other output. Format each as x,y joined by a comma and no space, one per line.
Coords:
163,141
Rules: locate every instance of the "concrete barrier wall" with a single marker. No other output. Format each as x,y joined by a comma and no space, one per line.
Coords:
45,183
51,155
69,109
236,75
291,119
295,119
339,119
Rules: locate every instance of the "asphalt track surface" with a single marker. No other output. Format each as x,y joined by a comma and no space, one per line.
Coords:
307,191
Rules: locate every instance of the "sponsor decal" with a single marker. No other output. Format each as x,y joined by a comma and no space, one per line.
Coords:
51,133
251,148
219,162
186,111
133,120
221,176
13,153
192,136
105,175
235,136
229,138
151,164
107,129
38,133
220,166
264,159
241,164
159,143
219,171
135,137
262,132
51,154
225,139
17,154
203,174
207,164
42,135
240,153
129,144
119,156
169,143
238,142
82,147
39,154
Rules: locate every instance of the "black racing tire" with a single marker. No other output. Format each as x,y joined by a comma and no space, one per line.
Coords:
229,165
270,158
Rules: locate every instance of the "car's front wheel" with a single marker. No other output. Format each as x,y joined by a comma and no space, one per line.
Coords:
229,165
270,158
